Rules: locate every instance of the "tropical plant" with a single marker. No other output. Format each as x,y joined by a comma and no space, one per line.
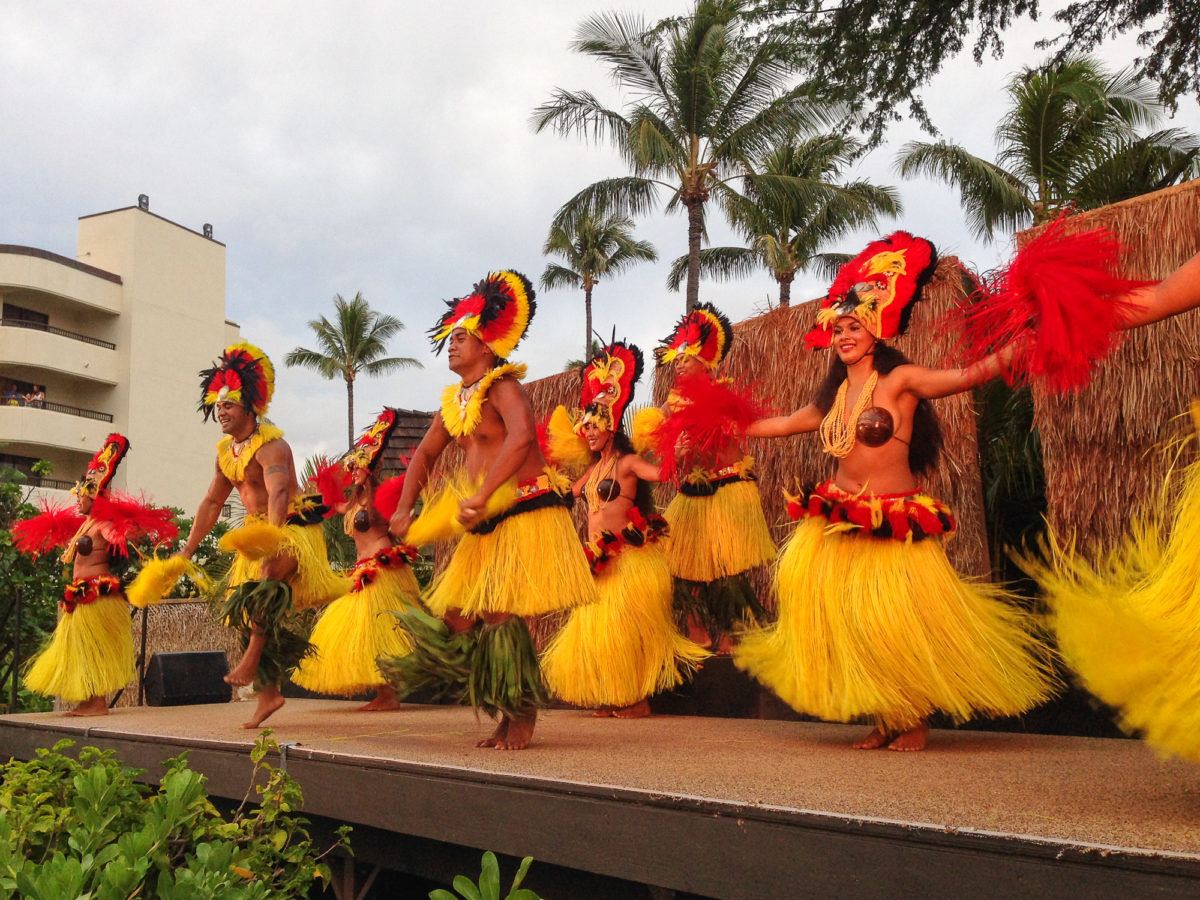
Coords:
352,345
87,827
592,247
702,103
573,364
876,55
785,236
488,886
1069,138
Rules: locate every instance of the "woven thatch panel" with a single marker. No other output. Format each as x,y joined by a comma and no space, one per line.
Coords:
409,430
769,351
178,626
1099,445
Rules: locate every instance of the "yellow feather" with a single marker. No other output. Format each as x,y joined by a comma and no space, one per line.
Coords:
158,578
645,429
567,448
253,540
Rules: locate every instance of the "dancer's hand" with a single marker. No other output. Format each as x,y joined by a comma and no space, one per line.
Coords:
400,522
472,511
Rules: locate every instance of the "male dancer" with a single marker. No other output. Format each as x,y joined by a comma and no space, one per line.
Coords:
520,555
280,564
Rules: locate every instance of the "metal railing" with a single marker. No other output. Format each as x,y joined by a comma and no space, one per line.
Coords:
61,332
42,481
68,410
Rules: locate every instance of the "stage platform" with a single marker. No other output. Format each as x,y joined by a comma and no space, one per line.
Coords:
712,807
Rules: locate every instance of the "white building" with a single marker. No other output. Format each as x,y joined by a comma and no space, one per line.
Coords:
115,336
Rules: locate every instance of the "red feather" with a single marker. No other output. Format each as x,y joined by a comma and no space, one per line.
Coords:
124,519
50,529
1062,291
543,439
713,416
387,496
332,480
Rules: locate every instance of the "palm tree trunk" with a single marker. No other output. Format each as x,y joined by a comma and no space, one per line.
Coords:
785,288
587,338
349,413
695,211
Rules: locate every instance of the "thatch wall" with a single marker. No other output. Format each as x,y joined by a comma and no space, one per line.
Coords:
177,626
1099,445
769,351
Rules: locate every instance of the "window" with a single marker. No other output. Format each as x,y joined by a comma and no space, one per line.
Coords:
21,314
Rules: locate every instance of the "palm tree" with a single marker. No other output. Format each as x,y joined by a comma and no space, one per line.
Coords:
354,344
592,247
703,101
594,349
785,236
1069,138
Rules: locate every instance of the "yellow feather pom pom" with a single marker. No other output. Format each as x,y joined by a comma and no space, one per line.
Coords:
158,578
438,520
645,429
569,450
254,540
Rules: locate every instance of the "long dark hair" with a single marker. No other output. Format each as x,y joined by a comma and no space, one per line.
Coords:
643,499
926,443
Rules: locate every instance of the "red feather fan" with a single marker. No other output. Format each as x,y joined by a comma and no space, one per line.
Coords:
50,529
387,496
124,519
332,480
1063,293
711,415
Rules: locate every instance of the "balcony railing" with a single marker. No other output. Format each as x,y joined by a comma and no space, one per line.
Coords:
63,408
61,332
41,481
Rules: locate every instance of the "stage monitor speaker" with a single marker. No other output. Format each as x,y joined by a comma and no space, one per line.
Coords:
183,679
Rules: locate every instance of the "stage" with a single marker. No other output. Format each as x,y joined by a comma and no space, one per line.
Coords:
715,807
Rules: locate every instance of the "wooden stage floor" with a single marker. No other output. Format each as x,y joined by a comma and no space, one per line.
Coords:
717,807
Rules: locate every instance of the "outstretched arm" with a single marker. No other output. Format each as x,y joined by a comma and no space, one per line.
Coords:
641,468
1175,294
805,419
930,384
207,512
416,476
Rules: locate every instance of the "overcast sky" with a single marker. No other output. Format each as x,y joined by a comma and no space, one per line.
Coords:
383,148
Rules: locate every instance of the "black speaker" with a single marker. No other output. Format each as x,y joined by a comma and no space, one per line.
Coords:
182,679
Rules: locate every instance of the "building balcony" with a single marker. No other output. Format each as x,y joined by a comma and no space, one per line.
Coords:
57,276
34,347
54,425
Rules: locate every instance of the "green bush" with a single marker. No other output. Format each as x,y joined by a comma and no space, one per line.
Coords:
87,828
488,886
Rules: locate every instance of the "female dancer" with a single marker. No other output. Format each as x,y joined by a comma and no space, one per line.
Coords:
873,620
614,654
359,628
90,654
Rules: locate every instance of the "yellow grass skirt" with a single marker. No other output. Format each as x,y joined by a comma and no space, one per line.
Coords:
883,628
89,655
625,647
719,535
1129,623
532,563
354,631
315,583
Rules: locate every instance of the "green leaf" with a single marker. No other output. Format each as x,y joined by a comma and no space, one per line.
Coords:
466,887
489,877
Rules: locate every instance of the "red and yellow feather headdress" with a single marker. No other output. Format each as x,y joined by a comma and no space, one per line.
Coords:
102,467
368,449
878,287
497,311
609,380
242,375
704,333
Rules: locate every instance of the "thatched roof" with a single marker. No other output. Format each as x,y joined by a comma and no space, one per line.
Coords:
1099,444
769,351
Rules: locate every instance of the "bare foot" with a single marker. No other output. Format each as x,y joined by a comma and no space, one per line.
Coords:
911,740
873,741
96,706
603,712
246,669
498,736
270,701
520,732
384,700
639,710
